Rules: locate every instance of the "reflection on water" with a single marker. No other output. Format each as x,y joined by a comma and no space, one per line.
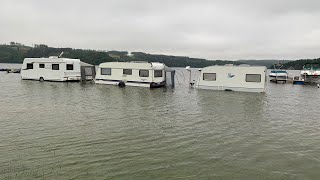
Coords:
85,131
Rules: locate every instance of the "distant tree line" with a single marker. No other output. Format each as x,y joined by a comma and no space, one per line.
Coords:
15,53
179,61
298,65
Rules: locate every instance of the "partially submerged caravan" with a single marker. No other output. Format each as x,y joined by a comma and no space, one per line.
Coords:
233,78
134,73
56,69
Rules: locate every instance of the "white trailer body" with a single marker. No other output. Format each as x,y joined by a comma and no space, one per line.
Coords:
51,69
144,74
233,78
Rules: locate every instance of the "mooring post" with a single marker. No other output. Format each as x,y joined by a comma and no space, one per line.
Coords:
172,77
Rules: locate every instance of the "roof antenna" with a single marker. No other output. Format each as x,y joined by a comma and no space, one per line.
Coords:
60,54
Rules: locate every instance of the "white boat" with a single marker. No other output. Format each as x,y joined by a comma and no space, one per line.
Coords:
279,74
56,69
233,78
311,73
134,73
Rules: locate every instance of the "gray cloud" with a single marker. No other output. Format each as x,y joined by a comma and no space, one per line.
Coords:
229,29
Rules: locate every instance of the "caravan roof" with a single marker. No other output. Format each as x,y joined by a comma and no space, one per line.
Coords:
50,60
133,65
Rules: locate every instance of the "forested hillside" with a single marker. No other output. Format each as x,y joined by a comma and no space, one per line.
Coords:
267,63
16,52
298,65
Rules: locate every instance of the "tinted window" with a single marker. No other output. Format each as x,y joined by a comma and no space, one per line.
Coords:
41,65
69,66
209,76
253,77
157,73
127,71
29,66
144,73
55,66
105,71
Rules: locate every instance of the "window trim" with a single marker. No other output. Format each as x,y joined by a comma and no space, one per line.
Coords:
123,72
215,77
154,73
29,65
109,74
69,65
143,70
254,81
55,69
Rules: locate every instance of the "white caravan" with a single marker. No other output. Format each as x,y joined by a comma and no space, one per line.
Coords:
144,74
51,69
233,78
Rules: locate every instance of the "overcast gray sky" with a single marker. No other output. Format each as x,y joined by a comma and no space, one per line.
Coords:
212,29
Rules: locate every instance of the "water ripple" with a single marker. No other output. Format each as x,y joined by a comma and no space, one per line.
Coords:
86,131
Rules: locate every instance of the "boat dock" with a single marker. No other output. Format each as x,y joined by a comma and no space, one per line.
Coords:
281,80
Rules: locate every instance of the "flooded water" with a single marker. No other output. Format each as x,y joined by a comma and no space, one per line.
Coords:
52,130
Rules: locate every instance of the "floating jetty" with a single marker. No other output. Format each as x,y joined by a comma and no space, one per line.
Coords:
296,80
290,80
279,80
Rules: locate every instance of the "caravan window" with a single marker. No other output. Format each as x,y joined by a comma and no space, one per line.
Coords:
209,76
29,65
55,66
105,71
144,73
69,66
127,71
157,73
253,77
41,65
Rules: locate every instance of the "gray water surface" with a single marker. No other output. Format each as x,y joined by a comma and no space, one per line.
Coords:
51,130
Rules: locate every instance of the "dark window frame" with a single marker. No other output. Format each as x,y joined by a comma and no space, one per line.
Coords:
127,73
143,70
68,67
108,74
157,75
215,77
53,67
254,81
29,65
